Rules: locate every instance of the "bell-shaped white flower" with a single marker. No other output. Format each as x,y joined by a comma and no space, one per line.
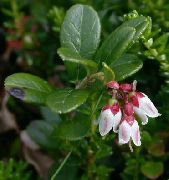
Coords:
144,107
147,106
141,115
110,117
129,128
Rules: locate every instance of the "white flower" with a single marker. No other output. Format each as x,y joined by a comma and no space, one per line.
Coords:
110,117
129,128
143,107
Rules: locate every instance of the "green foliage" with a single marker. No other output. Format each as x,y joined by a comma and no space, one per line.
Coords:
14,170
40,132
115,44
127,65
66,100
126,46
80,30
28,87
108,73
76,129
152,170
70,56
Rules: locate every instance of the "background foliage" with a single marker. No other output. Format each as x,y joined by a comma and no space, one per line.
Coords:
34,40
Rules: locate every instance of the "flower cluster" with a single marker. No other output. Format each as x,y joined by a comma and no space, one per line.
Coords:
122,109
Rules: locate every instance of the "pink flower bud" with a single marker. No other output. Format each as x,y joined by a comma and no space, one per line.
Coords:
134,100
115,109
130,120
113,85
128,109
126,87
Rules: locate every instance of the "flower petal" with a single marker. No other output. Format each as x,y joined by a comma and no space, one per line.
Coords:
106,121
141,115
117,119
135,133
148,107
124,132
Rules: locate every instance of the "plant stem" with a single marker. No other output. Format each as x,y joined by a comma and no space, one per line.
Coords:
61,165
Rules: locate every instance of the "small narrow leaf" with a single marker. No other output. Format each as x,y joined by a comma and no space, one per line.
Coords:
127,65
66,100
28,87
68,55
115,45
80,31
108,73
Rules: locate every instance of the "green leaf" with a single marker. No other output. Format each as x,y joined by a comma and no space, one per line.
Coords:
80,31
115,45
73,130
68,55
27,87
40,132
108,73
126,66
139,24
66,100
50,116
152,170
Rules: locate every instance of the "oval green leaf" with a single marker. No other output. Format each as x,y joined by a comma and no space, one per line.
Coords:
66,100
115,45
80,31
126,66
28,87
152,170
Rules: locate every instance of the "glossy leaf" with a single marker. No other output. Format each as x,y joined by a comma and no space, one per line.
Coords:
80,31
28,87
152,170
139,24
73,130
115,45
108,73
68,55
126,66
66,100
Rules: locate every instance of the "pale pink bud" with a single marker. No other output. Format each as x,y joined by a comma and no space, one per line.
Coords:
134,100
113,85
126,87
128,109
130,120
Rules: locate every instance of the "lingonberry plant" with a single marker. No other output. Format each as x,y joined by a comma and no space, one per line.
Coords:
92,64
